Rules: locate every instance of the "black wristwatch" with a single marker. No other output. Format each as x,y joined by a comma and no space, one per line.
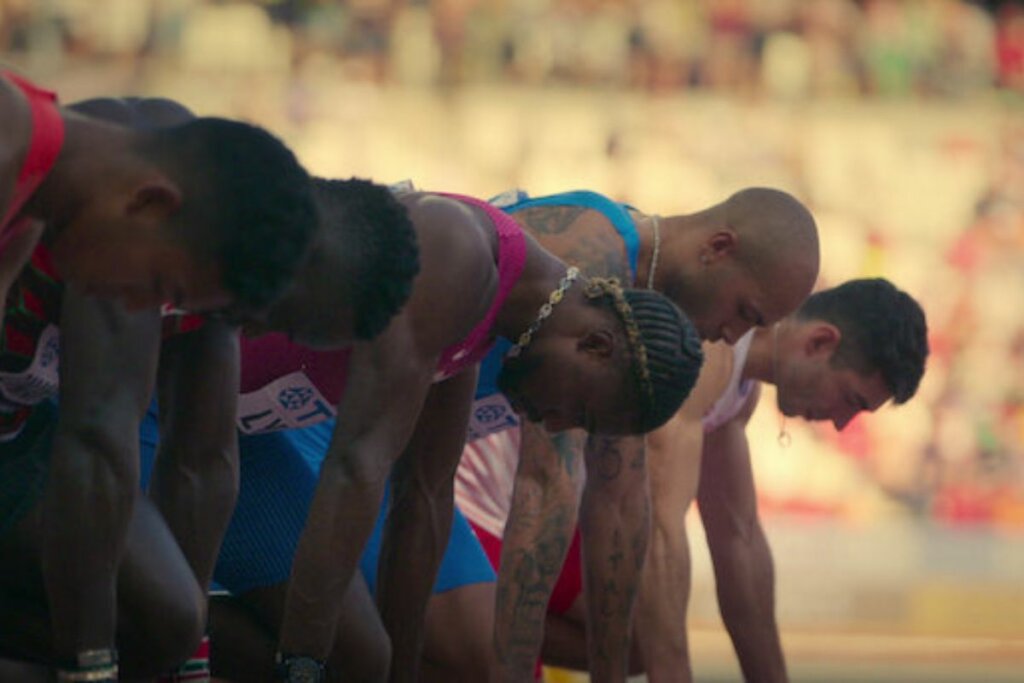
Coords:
299,669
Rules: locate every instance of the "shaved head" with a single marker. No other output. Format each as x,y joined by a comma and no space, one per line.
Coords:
752,261
777,242
776,231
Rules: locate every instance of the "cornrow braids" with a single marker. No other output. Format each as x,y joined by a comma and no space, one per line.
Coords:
610,287
665,349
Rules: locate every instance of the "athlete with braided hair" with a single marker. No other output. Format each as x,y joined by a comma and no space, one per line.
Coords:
587,354
846,350
743,262
746,261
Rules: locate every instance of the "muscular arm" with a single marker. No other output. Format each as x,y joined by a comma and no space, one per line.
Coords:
674,461
386,389
107,366
14,145
540,526
420,518
744,575
614,530
195,479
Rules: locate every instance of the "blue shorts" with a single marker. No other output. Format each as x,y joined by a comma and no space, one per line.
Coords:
279,473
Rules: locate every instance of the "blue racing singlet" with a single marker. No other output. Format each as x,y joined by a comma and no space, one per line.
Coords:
491,412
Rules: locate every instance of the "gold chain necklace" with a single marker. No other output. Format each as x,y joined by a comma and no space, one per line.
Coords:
545,311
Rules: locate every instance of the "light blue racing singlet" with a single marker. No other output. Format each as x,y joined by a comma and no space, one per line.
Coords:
491,412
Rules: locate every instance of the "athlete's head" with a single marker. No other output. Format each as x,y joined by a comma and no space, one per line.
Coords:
206,214
755,261
629,362
848,349
359,271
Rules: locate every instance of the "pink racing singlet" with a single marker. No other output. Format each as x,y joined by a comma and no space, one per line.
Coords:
288,386
47,139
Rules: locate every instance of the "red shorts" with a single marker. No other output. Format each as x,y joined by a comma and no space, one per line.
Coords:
570,580
567,586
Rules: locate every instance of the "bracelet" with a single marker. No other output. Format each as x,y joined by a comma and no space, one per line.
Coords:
299,669
90,665
106,673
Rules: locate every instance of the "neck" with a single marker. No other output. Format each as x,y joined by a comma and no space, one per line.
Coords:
645,228
763,354
541,275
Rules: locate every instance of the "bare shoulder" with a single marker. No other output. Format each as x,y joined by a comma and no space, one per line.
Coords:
13,105
457,265
455,238
135,112
580,236
15,134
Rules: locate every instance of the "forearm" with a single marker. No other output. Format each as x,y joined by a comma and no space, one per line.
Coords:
537,536
195,479
662,604
414,543
745,581
744,575
340,520
196,500
86,510
614,526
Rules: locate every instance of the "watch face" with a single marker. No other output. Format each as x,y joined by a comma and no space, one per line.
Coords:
303,670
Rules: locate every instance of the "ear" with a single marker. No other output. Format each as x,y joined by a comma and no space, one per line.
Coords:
822,338
599,343
719,245
156,194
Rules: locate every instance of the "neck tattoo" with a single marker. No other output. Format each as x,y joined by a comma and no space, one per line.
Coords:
655,253
545,311
784,438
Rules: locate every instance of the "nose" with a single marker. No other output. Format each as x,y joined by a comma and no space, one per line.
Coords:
731,333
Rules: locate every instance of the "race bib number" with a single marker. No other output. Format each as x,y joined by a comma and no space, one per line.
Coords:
490,414
40,380
288,402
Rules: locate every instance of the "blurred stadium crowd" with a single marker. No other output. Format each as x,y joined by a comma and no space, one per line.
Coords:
945,48
899,121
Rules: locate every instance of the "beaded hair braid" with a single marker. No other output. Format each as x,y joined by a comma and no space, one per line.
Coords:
600,286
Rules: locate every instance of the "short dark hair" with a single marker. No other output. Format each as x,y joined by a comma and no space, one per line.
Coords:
665,349
883,329
248,202
371,233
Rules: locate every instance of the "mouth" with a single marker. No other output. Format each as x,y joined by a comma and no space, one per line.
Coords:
523,407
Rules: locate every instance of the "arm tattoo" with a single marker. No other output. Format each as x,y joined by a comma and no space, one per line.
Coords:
608,458
533,572
568,447
593,245
549,220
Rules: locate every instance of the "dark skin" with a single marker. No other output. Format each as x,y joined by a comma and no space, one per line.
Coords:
109,366
697,270
424,432
14,144
612,511
108,211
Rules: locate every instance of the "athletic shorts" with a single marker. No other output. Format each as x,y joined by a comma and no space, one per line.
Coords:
279,472
24,464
